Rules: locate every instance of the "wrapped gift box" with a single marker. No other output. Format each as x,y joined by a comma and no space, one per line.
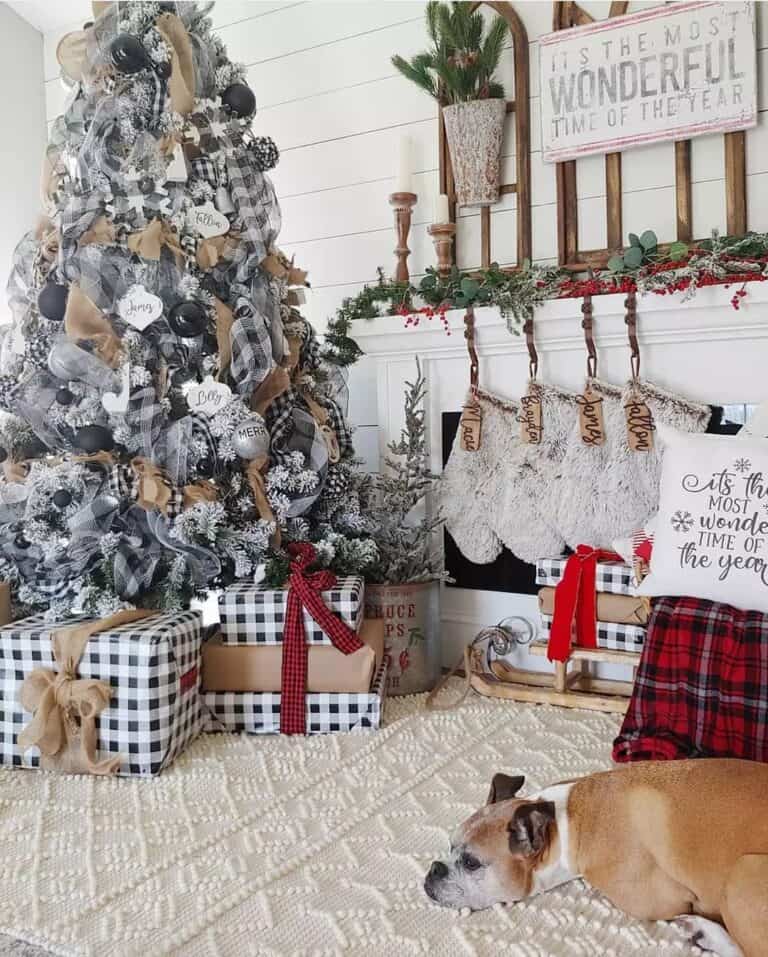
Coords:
231,667
621,609
610,635
153,665
250,614
259,713
616,578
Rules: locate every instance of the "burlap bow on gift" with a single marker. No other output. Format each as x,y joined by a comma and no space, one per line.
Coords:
65,707
305,591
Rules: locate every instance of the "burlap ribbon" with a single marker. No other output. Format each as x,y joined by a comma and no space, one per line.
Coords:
201,491
15,471
153,487
101,233
210,251
148,242
224,322
65,707
259,491
181,85
84,320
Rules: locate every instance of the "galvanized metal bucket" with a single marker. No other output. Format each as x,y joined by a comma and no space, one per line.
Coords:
411,633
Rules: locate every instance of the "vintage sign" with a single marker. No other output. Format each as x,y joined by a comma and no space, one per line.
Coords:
666,73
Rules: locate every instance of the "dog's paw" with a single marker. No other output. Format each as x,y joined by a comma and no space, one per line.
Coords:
709,936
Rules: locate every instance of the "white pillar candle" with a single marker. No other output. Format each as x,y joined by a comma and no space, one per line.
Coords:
404,183
441,211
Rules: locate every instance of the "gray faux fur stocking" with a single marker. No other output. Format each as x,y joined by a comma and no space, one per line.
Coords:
496,495
606,491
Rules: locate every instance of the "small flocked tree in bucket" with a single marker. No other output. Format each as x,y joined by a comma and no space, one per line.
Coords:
458,71
403,586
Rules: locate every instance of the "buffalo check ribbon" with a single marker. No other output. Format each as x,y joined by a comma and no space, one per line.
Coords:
305,592
575,610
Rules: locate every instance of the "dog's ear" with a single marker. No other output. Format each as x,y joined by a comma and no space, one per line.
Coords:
504,787
529,827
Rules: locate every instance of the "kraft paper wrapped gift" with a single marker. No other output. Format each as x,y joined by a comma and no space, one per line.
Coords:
259,712
250,614
609,635
615,578
620,609
228,667
152,667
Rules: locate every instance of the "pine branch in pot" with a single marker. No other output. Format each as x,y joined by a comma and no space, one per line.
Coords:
458,72
404,586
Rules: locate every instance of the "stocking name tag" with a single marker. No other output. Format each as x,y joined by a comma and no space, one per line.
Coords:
640,427
530,416
591,417
470,426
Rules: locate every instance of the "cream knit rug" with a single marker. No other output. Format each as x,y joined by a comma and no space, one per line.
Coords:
280,846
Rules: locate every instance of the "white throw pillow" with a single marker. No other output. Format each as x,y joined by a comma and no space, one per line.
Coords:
711,537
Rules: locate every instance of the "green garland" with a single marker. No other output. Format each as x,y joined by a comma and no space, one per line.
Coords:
643,267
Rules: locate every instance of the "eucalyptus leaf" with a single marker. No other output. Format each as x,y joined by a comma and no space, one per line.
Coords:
633,239
633,257
616,263
469,287
648,240
678,250
429,282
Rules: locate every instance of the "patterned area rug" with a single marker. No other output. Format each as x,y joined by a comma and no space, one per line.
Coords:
280,846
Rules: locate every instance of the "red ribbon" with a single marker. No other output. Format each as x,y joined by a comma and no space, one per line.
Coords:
576,602
304,591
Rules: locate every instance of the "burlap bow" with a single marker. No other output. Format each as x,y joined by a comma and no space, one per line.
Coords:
153,487
65,707
201,491
84,320
148,242
181,85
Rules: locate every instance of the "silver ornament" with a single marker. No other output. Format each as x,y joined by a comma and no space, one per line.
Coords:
251,438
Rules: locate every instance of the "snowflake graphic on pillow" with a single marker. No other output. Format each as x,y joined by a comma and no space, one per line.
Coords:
682,521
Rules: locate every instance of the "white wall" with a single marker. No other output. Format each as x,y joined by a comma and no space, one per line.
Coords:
329,96
22,119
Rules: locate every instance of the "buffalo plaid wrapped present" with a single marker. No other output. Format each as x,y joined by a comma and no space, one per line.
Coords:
259,712
614,577
613,636
250,614
151,666
701,688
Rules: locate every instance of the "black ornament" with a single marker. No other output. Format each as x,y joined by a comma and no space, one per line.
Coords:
205,468
64,396
163,69
52,301
128,54
94,438
3,455
61,498
265,152
146,185
187,319
239,99
33,448
21,542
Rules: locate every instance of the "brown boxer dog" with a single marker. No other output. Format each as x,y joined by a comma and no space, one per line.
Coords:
663,840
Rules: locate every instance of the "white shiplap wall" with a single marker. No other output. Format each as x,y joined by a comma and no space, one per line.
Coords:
22,118
329,96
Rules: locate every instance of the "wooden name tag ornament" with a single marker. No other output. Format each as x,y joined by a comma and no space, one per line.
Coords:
591,417
640,426
530,417
471,426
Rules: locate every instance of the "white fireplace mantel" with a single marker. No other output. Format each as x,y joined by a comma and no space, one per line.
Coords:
702,348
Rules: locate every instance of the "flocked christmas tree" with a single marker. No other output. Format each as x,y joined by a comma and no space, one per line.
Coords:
171,417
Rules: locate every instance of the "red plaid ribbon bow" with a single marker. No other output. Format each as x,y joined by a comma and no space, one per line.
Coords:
576,602
304,591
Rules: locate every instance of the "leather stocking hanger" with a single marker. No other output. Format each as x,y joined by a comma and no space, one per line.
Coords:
609,490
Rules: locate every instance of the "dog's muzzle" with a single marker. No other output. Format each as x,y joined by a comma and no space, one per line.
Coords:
437,872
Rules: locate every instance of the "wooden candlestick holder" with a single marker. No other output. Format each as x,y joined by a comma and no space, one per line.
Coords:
402,203
442,236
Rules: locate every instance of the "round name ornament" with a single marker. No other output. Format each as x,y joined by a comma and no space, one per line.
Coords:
251,438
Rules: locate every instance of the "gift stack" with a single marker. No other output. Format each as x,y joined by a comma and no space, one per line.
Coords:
115,695
590,600
297,660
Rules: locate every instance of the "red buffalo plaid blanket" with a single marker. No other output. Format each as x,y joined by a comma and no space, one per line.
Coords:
702,685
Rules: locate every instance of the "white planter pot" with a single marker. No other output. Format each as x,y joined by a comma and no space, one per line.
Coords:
411,633
475,131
